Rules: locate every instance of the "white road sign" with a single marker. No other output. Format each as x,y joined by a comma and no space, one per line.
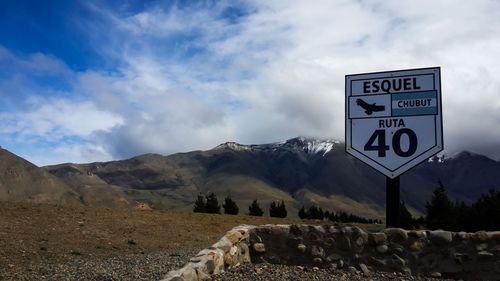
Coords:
394,118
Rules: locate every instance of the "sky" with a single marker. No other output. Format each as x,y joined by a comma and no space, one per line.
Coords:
84,81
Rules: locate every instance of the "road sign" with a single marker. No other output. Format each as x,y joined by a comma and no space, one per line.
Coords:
394,118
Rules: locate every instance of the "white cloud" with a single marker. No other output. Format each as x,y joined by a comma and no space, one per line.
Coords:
190,78
34,64
55,119
284,65
70,152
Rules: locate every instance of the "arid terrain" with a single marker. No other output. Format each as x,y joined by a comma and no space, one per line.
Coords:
50,242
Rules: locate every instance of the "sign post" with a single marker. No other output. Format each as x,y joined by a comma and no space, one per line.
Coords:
392,202
393,123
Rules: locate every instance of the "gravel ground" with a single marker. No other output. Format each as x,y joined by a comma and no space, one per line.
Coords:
155,266
250,272
152,266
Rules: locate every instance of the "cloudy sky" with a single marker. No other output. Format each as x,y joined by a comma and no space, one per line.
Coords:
85,81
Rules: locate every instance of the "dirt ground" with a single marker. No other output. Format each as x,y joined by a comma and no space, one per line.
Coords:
35,233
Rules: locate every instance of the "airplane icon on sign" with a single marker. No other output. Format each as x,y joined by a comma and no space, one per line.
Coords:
369,108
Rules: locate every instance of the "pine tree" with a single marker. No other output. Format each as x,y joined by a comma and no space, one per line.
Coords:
343,217
273,210
440,210
316,213
406,220
212,205
302,213
313,212
199,205
486,212
230,206
326,214
282,210
465,218
255,210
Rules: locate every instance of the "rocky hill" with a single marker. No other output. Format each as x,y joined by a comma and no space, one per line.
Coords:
21,180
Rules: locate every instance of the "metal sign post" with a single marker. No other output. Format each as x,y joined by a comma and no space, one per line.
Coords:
392,202
393,123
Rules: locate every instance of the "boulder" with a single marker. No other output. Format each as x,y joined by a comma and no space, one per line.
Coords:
302,248
382,249
234,236
377,238
317,251
333,258
364,269
440,237
416,245
259,247
396,235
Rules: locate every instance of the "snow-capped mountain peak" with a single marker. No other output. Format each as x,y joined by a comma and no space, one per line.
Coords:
312,145
307,145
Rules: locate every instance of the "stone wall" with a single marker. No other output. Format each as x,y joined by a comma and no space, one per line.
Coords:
429,253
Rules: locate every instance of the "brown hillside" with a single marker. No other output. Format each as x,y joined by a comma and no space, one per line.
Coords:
21,180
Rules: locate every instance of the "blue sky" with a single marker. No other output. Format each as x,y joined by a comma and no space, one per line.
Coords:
84,81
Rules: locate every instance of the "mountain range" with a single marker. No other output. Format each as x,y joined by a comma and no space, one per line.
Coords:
299,171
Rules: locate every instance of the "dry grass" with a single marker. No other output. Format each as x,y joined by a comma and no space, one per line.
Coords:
32,233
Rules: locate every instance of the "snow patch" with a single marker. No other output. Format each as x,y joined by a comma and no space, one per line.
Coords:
313,146
233,146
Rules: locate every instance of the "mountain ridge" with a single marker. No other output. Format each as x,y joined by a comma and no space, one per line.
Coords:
299,171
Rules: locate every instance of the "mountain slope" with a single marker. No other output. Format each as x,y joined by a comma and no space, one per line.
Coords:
245,172
466,175
299,171
21,180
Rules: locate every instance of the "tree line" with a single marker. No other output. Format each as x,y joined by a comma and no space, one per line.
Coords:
209,204
317,213
484,214
442,213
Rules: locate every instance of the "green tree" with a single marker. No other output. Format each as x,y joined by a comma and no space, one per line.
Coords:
343,217
440,213
302,213
199,205
255,210
406,220
230,206
282,212
277,209
316,213
420,222
212,205
486,212
327,214
273,210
